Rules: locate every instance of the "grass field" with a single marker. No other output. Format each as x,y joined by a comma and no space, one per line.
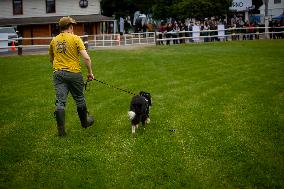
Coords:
217,120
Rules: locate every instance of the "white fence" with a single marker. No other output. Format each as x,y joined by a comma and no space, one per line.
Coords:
230,34
110,40
113,40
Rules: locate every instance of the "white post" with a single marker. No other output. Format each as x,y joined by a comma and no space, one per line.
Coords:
125,39
247,16
103,39
266,22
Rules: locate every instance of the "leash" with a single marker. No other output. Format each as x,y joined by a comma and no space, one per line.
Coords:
111,86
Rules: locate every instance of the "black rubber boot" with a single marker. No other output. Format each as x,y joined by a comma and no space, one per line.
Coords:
60,119
86,121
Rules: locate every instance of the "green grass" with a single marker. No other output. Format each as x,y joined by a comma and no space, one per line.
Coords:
216,122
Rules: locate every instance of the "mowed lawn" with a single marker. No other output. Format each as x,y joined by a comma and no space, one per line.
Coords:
217,120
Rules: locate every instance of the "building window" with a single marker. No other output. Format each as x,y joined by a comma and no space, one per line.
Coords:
50,6
277,1
83,3
17,7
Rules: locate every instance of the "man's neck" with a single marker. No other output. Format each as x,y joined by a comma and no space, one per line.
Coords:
68,31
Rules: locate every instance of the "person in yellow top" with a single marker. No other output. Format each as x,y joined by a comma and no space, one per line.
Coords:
65,51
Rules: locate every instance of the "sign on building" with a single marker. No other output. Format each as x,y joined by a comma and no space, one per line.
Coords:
241,5
196,33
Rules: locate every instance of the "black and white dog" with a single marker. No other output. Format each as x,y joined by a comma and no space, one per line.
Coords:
139,110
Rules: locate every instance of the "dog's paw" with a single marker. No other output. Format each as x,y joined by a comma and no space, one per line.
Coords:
147,120
131,115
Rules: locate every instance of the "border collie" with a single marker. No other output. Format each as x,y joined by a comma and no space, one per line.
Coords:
139,110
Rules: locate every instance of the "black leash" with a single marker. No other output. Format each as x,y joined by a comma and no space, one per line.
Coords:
102,82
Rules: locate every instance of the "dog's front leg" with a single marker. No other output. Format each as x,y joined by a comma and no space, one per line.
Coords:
133,129
147,120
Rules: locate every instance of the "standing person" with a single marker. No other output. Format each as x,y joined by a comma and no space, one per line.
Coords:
205,29
168,34
162,30
190,31
65,51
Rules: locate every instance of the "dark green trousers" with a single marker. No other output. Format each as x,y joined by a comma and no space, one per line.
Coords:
65,82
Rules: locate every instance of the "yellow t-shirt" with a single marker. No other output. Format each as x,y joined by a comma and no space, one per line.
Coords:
66,49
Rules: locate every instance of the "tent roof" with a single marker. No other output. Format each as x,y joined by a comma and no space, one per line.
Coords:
281,16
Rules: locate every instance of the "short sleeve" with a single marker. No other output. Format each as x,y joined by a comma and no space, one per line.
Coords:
80,44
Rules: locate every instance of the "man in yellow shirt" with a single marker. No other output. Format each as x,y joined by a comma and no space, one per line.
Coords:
65,51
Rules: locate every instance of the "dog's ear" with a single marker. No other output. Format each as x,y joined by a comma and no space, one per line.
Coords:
145,94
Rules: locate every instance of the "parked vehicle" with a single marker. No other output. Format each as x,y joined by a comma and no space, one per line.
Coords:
12,34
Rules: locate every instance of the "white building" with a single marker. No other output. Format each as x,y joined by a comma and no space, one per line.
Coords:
275,8
47,8
39,18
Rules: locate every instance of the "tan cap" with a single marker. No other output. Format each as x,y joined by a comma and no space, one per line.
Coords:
64,21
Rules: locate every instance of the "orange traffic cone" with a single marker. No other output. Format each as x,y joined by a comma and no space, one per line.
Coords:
13,48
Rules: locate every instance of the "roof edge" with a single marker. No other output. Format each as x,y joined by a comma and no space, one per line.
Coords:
54,19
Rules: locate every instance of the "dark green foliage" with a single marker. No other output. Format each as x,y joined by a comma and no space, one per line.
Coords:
162,9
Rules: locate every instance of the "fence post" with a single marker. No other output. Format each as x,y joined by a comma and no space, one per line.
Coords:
155,38
103,39
20,47
147,37
85,40
125,38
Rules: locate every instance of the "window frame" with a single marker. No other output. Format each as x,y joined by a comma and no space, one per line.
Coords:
17,3
277,1
47,4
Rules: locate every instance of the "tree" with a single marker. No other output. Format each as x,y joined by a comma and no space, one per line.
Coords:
124,7
162,9
116,8
257,3
181,9
144,6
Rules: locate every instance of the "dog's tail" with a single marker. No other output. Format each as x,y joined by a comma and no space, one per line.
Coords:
131,115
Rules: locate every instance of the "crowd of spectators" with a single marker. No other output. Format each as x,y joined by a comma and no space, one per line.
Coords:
177,32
